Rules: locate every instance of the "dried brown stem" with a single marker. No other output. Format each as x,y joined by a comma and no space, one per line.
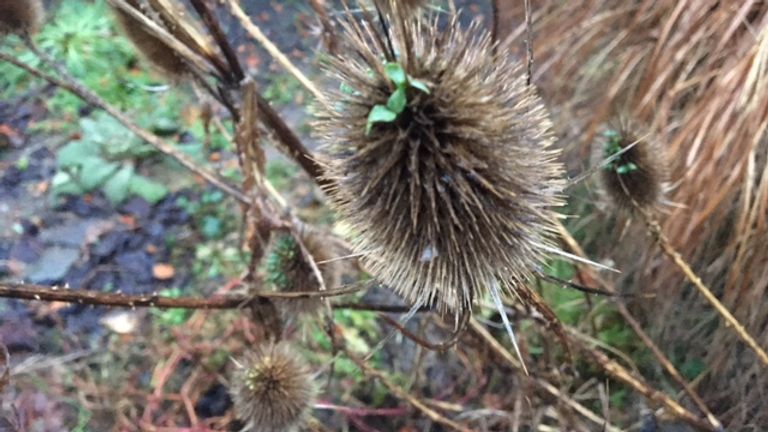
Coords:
575,248
213,26
273,50
513,362
68,83
329,36
96,298
403,394
621,374
655,230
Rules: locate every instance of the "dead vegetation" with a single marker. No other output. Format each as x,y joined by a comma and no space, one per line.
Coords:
694,72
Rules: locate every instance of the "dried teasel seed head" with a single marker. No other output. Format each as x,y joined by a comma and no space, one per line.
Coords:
638,172
20,16
404,7
272,389
440,159
289,271
162,57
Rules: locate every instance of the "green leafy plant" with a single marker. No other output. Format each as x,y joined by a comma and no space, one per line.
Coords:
398,100
173,316
613,147
102,159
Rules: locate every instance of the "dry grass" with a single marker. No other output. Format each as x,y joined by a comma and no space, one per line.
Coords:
696,72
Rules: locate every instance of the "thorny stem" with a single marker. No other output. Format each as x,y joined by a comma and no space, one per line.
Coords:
236,71
655,229
512,361
97,298
637,328
403,394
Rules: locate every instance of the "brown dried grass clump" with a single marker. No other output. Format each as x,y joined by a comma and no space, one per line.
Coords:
696,72
21,17
453,196
161,56
289,271
272,390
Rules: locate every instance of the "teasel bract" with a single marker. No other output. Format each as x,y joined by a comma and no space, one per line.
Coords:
440,159
21,17
272,389
633,167
289,270
161,56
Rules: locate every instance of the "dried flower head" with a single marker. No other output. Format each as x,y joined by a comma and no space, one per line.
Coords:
404,7
20,16
272,391
633,168
162,57
440,159
288,270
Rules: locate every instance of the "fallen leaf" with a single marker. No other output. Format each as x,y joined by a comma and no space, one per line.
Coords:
163,271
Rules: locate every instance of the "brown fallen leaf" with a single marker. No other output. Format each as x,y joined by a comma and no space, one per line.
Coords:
163,271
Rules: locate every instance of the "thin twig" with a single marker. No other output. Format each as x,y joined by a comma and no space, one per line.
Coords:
97,298
273,50
68,83
512,361
655,229
218,35
403,394
575,248
528,42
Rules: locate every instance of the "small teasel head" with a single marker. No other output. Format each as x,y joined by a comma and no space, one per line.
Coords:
633,168
272,389
288,270
20,17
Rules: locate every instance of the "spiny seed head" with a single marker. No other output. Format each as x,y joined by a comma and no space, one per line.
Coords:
162,57
289,271
405,7
440,159
272,391
636,174
20,16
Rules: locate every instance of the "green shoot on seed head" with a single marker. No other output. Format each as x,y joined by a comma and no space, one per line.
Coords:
398,100
611,148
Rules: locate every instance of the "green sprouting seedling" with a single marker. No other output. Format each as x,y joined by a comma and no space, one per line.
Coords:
613,147
284,252
398,100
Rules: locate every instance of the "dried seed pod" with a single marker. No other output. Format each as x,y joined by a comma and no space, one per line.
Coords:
272,390
289,271
20,16
440,159
161,56
637,171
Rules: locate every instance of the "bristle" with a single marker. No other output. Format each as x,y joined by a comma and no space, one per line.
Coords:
272,390
456,191
406,7
289,271
636,170
20,16
162,57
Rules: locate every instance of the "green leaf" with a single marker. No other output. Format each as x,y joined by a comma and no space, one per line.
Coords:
397,101
150,190
94,171
396,74
419,85
75,152
117,187
379,114
211,228
63,183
